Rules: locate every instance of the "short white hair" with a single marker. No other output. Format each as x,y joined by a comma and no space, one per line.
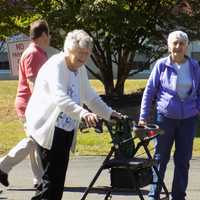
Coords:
179,35
77,39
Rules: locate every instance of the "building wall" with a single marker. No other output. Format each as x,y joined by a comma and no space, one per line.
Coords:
193,51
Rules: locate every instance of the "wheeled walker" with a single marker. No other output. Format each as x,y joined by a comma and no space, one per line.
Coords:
126,169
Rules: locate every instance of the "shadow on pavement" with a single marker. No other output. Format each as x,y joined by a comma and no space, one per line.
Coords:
21,189
103,190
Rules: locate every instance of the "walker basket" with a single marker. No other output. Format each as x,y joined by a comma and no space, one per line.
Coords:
120,178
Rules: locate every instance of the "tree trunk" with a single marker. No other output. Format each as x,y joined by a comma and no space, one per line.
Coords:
108,82
119,87
123,71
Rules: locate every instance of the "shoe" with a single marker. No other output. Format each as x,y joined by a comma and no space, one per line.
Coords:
4,178
36,183
151,198
37,187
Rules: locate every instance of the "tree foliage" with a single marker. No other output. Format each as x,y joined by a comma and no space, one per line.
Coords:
121,29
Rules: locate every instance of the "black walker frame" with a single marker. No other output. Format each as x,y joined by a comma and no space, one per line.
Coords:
123,155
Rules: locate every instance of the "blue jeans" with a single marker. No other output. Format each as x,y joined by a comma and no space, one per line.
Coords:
181,132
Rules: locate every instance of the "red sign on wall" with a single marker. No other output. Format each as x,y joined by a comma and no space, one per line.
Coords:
15,50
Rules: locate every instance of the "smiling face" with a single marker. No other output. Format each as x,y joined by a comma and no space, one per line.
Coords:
77,57
177,49
177,46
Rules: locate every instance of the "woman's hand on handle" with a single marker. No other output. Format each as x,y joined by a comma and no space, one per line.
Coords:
142,122
90,119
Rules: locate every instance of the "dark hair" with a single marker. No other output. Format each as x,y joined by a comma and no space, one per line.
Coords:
37,28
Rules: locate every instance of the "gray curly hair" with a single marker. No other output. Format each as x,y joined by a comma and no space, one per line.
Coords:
77,39
180,35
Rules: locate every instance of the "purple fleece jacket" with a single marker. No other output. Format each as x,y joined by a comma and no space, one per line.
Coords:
162,86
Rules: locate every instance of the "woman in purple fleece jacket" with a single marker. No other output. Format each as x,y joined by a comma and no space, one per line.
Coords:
175,83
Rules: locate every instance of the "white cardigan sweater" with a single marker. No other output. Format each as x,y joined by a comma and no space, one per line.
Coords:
49,98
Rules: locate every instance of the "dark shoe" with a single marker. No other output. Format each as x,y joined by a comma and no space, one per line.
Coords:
35,186
4,178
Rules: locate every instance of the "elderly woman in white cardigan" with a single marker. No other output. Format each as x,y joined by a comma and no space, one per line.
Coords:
55,110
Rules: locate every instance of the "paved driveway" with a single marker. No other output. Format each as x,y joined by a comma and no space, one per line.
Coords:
81,171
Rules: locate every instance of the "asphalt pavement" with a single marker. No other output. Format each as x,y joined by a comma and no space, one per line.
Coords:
80,172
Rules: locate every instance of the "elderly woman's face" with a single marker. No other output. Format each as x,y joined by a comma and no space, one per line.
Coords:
78,57
178,48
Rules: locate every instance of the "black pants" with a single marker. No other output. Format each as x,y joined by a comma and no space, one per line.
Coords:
55,162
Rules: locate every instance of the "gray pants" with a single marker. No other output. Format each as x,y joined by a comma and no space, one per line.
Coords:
25,147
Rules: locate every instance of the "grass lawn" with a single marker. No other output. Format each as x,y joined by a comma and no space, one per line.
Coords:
89,143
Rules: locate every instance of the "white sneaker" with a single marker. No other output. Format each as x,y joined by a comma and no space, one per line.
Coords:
151,198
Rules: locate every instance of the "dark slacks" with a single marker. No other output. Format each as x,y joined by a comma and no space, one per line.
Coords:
180,132
55,162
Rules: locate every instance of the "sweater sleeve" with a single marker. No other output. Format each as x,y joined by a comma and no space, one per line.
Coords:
150,92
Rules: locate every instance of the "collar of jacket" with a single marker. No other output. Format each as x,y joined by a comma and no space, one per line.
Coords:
170,64
192,65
